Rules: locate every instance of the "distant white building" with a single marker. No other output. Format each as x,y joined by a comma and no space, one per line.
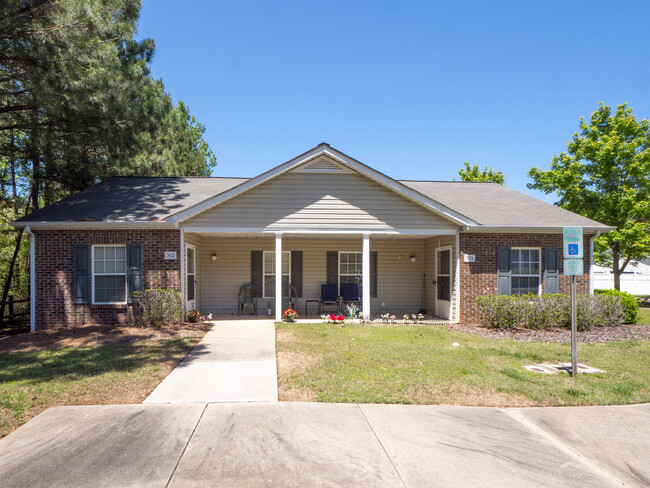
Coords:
635,279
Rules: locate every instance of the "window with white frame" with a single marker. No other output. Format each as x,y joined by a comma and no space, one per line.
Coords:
525,271
269,273
109,274
351,268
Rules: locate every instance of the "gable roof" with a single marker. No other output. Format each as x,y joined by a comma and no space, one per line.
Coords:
122,201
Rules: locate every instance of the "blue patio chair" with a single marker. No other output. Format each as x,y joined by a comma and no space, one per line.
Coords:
328,296
350,294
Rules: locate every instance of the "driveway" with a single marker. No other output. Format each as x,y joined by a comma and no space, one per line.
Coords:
234,362
307,444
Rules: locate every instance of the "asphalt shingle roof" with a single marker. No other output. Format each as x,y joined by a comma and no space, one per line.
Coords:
133,199
497,205
149,199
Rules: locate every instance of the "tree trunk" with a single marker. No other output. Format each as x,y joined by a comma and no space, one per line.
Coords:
616,258
12,264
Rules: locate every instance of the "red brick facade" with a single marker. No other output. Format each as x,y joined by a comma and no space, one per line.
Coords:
480,277
55,273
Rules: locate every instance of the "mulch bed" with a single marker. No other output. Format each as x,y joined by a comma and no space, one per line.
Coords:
95,335
625,332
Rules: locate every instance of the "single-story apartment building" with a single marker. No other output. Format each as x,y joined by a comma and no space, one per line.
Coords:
320,218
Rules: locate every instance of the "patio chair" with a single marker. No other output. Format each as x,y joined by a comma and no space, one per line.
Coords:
350,294
247,295
328,296
293,297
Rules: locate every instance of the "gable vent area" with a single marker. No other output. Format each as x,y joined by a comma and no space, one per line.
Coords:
322,166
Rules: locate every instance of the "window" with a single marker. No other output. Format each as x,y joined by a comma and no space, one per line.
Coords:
109,274
525,269
269,273
351,268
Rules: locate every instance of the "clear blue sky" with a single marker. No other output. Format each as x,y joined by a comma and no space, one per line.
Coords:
412,89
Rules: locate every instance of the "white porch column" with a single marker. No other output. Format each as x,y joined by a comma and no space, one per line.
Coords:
278,276
366,276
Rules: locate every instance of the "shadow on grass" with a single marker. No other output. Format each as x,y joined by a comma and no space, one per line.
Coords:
76,363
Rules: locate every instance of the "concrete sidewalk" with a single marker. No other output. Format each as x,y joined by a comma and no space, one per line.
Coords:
234,362
307,444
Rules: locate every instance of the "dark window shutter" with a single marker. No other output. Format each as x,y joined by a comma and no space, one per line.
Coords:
81,275
551,275
134,278
257,269
296,271
333,268
503,271
373,273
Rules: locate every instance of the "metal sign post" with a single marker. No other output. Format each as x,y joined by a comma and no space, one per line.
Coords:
574,329
573,266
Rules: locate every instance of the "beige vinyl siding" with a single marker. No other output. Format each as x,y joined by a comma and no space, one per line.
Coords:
308,201
399,281
430,246
195,240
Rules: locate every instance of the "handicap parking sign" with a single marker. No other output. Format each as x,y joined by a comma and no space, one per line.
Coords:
573,242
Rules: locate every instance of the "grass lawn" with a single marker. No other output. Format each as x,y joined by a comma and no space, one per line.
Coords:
418,364
644,316
109,370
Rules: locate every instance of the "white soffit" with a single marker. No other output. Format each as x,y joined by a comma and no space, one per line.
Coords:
322,165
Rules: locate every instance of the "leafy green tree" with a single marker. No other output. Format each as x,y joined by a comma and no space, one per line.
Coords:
605,176
474,173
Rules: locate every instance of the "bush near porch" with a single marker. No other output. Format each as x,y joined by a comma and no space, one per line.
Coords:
369,363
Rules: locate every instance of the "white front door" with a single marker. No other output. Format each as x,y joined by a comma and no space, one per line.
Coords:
443,282
190,277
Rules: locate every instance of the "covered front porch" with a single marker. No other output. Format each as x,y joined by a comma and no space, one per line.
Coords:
395,274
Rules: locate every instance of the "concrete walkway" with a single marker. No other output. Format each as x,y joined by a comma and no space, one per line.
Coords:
234,362
312,444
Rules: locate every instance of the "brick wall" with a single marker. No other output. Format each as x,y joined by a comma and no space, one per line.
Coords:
55,274
480,277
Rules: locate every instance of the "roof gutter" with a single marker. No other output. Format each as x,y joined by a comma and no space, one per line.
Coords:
552,229
77,224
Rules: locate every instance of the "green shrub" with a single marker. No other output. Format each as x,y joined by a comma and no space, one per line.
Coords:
157,307
540,312
630,303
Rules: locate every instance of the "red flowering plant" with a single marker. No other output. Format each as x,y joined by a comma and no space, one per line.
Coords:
336,319
289,315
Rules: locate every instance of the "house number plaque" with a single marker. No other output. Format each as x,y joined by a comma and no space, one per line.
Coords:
170,255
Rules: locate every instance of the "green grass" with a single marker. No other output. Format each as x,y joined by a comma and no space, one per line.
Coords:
32,381
418,364
644,316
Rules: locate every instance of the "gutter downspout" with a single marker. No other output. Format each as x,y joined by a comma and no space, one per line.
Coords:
457,280
32,279
591,261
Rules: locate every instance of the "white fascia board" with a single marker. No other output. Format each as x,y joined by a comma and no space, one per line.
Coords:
243,230
553,229
325,150
94,225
